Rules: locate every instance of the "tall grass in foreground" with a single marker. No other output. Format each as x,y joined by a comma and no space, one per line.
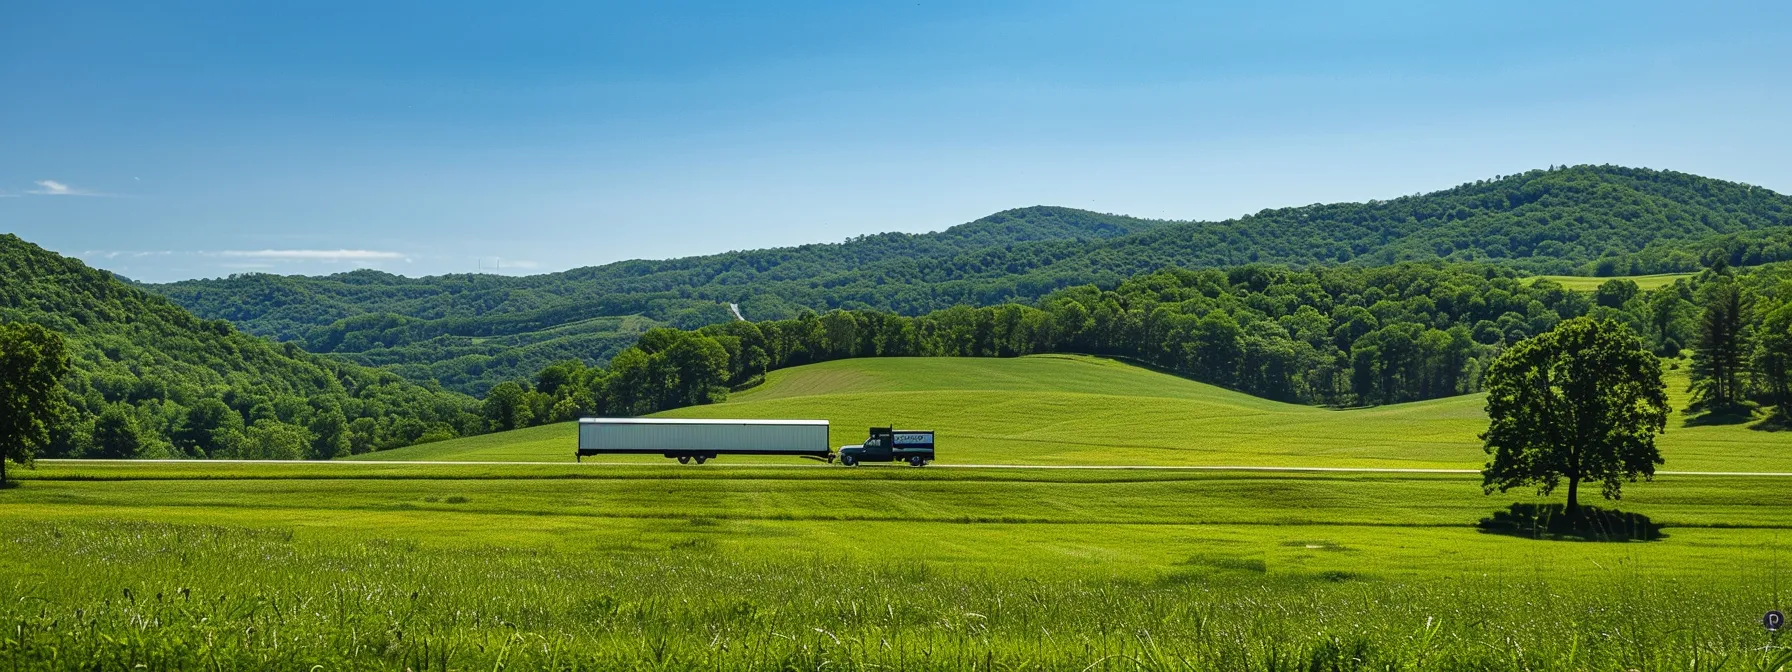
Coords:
117,595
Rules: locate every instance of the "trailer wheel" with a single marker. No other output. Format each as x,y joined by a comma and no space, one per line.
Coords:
849,460
702,458
916,461
684,459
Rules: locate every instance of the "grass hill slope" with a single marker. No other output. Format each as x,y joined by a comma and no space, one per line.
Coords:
152,380
1071,410
465,330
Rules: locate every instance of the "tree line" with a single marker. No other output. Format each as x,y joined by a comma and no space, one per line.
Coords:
1338,336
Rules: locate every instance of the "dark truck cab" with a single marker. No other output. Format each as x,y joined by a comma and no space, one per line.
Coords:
886,444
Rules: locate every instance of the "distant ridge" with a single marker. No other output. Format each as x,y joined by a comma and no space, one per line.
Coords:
465,329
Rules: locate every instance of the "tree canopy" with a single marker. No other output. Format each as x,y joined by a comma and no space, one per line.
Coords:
1581,403
149,379
33,361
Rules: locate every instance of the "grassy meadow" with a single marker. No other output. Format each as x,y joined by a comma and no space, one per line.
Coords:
452,561
748,567
1584,283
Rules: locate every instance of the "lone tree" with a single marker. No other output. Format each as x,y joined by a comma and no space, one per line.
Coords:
1583,403
32,361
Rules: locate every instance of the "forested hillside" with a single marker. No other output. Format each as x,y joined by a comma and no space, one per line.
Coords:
151,380
473,331
294,307
469,332
1339,336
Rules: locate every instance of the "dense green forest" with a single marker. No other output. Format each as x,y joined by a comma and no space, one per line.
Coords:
1340,336
471,331
149,379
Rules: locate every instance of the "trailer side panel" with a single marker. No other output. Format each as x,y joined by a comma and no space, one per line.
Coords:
673,437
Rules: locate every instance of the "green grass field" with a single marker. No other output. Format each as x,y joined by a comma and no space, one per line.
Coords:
1078,410
789,564
1582,283
746,567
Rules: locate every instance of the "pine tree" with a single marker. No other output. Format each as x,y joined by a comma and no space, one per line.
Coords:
1722,353
1773,360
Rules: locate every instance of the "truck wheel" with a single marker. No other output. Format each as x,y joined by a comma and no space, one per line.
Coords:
702,458
916,461
849,460
684,459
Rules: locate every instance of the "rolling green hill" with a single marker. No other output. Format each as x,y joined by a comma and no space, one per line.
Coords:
1587,220
1080,410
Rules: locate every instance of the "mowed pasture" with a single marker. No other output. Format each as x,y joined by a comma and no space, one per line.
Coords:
752,567
458,559
1080,410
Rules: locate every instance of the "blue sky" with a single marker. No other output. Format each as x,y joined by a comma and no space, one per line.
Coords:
176,140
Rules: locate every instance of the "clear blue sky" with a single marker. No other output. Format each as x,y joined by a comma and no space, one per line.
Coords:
175,140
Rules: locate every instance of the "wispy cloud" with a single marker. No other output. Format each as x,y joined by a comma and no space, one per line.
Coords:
314,255
114,254
54,188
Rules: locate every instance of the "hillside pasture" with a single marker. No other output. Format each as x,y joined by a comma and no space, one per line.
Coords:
1082,410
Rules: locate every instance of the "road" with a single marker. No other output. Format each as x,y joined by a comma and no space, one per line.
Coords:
1098,467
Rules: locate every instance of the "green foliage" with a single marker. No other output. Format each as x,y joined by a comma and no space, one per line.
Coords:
169,384
115,433
1582,403
274,440
473,331
33,361
1720,361
1773,356
1338,336
506,407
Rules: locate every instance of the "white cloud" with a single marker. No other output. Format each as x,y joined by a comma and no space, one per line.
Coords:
314,255
54,188
134,254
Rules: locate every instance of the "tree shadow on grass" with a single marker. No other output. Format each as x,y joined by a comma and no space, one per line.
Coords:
1727,416
9,484
1551,522
1777,422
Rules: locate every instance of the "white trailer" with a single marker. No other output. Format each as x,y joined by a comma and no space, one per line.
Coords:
702,440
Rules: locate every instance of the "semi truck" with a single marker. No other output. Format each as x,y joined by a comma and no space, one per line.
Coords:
694,440
888,444
703,440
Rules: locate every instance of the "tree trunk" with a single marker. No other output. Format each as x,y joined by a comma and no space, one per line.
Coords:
1573,497
2,470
